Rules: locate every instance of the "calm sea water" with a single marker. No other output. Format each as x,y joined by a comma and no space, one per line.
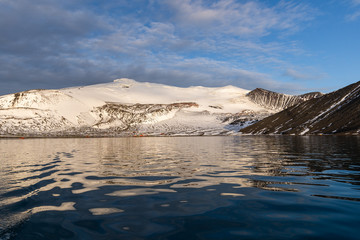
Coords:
242,187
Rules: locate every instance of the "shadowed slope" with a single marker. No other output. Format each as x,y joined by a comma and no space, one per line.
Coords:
336,112
278,101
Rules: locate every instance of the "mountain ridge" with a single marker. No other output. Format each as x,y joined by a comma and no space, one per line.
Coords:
337,112
278,101
127,107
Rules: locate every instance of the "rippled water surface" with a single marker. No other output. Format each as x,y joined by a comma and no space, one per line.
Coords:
242,187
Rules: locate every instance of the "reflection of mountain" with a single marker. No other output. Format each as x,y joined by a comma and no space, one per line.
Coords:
103,186
333,158
187,163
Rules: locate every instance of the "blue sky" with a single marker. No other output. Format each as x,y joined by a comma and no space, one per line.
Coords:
285,46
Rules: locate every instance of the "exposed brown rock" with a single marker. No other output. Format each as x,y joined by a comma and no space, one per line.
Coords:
127,115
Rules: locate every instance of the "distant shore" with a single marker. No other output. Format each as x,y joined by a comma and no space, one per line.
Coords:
159,135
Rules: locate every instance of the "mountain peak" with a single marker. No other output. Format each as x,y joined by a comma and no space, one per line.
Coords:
335,112
277,101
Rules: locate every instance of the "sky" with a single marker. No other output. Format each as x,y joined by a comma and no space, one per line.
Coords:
285,46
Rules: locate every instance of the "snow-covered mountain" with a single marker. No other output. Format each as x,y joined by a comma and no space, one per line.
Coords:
337,112
127,107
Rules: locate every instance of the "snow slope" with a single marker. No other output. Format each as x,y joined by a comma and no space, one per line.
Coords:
127,106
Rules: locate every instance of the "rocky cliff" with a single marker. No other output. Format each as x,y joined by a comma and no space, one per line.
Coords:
335,113
278,101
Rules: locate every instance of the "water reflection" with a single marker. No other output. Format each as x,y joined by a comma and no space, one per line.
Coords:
109,188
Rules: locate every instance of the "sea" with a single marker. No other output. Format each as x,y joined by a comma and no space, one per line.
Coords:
207,187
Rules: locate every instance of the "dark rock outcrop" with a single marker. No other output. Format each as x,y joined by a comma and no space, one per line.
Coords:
129,115
278,101
334,113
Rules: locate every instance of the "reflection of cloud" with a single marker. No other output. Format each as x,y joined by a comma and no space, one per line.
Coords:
65,206
139,192
104,211
232,194
212,175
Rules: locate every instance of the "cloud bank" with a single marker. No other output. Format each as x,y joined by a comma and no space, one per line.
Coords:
52,44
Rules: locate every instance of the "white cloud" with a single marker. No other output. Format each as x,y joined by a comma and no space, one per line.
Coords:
354,16
296,74
210,43
354,5
303,74
154,42
240,19
206,72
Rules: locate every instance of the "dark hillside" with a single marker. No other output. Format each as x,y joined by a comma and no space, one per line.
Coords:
334,113
278,101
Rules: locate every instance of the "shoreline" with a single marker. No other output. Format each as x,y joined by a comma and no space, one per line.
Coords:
166,135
